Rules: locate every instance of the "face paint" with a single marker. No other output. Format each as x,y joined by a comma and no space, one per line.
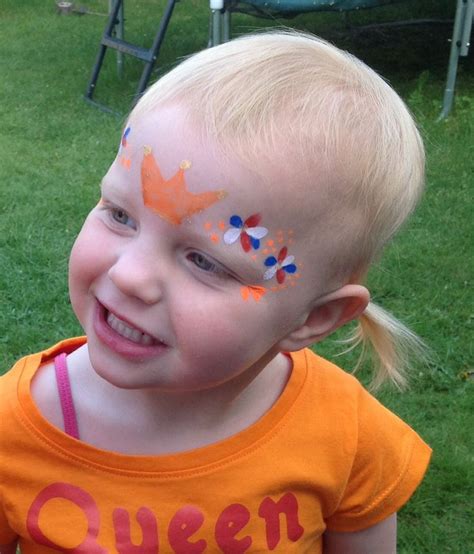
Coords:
123,159
279,266
170,199
253,291
125,162
123,142
248,232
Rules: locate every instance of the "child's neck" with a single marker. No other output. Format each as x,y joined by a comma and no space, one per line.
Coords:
153,422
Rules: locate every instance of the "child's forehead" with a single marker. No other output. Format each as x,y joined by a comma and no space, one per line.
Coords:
184,177
167,145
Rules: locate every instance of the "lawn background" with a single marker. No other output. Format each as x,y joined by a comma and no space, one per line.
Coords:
54,149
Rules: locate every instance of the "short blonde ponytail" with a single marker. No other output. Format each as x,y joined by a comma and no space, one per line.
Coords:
391,345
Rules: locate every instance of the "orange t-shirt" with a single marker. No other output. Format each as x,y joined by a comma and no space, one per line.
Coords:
326,455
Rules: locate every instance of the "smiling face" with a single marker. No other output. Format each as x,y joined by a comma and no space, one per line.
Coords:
186,298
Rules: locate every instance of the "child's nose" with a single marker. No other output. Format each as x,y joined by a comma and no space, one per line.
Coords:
135,276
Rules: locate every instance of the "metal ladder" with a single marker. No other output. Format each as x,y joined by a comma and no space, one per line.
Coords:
114,40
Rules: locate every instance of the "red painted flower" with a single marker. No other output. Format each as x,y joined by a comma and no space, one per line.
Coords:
279,266
248,231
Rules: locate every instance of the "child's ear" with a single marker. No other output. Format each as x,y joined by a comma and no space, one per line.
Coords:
328,314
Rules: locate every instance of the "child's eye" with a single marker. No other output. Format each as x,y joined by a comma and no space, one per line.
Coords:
204,264
121,216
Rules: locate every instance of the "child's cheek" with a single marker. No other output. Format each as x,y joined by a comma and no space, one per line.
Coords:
85,254
87,262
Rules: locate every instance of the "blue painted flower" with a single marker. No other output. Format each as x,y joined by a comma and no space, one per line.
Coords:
279,266
248,232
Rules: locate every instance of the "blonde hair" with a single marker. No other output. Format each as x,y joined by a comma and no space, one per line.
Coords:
255,93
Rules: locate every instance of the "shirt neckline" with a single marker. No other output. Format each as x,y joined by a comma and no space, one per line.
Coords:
200,459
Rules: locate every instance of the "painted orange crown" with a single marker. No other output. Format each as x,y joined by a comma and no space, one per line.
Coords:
170,198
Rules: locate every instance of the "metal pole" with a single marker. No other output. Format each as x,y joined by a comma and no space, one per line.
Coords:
467,28
227,26
165,19
118,32
120,35
459,22
216,6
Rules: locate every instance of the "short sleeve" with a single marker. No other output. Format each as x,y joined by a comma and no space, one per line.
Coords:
7,535
389,463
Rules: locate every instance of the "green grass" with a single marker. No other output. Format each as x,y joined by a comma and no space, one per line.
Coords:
54,149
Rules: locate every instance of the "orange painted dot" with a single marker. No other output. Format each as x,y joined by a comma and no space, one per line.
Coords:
270,242
221,225
265,251
254,256
214,238
126,162
207,225
245,293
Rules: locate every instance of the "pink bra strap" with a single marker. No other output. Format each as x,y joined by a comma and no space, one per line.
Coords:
65,396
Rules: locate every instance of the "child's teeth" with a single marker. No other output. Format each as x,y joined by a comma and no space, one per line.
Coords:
128,332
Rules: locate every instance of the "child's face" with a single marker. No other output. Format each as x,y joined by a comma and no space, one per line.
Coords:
186,283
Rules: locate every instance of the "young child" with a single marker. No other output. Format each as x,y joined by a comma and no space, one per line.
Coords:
254,185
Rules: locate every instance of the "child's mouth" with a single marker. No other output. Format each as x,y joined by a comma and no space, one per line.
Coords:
123,337
128,332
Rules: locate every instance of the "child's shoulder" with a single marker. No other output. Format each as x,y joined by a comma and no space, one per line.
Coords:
326,377
44,393
384,457
338,397
10,380
33,376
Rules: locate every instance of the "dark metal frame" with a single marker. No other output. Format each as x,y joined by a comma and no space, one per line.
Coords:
110,40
